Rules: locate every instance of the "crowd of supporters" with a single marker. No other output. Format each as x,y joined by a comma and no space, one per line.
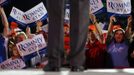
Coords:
107,49
113,49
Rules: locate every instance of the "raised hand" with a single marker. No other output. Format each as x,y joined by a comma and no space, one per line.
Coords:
93,18
129,20
112,19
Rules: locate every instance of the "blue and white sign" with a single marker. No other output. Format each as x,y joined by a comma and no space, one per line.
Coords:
17,15
38,12
34,14
95,5
31,46
12,64
119,6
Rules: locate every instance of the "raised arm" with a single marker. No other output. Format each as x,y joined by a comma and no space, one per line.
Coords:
4,22
112,19
97,26
129,26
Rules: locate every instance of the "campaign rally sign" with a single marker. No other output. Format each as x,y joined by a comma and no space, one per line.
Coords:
34,14
119,6
38,12
95,5
17,15
12,64
31,47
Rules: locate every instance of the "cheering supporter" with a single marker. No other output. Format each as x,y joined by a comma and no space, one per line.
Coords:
16,36
3,36
12,49
21,36
117,48
11,36
28,33
39,30
95,53
35,59
66,39
117,45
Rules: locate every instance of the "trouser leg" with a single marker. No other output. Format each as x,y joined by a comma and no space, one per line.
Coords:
79,21
55,32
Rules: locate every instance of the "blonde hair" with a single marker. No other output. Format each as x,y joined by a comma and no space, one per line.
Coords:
21,33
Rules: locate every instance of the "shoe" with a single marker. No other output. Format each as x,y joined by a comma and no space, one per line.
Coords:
54,69
77,69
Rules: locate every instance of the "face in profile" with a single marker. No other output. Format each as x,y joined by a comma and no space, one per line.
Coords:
119,36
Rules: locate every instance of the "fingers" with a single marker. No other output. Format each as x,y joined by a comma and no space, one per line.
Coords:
112,19
93,18
130,19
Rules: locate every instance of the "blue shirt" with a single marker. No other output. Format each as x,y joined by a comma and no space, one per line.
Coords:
2,49
119,53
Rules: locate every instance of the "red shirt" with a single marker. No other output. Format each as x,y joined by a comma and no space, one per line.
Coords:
95,55
67,44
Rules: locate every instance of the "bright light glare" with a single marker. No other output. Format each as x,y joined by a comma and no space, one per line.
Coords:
103,70
128,70
64,73
21,72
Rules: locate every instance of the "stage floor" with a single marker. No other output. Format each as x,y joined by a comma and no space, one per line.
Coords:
65,71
